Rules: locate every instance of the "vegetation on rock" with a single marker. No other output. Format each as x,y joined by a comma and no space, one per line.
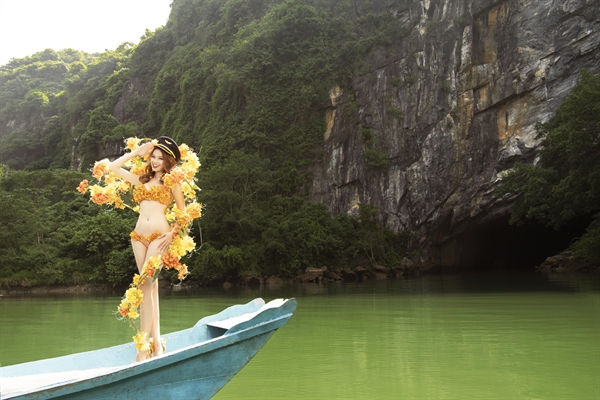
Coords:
565,184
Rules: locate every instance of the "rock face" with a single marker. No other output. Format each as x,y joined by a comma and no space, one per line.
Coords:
134,90
448,109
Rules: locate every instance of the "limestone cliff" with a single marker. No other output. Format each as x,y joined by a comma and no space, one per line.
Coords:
449,108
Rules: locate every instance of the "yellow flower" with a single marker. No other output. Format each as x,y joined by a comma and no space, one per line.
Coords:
184,150
133,314
188,190
191,165
171,213
124,186
138,280
141,341
134,296
194,210
181,246
132,143
182,217
151,266
138,166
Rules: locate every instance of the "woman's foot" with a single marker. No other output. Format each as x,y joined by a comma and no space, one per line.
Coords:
161,348
143,355
158,348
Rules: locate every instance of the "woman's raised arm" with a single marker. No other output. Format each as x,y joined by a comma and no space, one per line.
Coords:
116,166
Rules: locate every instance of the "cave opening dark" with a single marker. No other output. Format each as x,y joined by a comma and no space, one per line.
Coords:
498,244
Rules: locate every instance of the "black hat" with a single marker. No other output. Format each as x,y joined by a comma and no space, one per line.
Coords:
169,146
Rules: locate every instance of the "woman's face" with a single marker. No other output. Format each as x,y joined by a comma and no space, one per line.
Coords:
156,161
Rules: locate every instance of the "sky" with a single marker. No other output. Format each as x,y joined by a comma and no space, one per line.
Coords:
29,26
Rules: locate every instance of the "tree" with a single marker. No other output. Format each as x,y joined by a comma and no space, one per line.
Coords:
565,184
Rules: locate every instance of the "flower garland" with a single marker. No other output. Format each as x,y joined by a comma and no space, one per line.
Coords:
114,191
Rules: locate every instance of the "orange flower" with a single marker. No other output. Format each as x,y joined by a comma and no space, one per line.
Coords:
100,168
139,166
100,198
183,271
170,261
169,181
174,177
123,311
149,270
151,266
82,188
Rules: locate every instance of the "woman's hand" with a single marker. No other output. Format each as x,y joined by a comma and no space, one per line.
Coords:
144,149
166,239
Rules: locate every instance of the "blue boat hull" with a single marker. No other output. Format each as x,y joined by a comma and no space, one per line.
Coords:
200,360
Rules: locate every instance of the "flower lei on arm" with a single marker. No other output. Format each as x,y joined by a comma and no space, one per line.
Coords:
110,188
113,190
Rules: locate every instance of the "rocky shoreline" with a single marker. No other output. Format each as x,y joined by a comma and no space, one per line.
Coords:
324,274
560,263
566,262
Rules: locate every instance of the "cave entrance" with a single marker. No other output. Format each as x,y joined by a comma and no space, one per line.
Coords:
497,244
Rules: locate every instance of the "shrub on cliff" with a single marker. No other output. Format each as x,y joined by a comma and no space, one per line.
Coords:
565,184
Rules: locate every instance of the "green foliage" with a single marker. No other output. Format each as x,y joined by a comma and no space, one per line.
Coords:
102,241
565,185
150,55
459,20
411,79
588,245
373,157
234,194
242,80
432,25
363,237
52,235
379,29
100,123
297,235
394,112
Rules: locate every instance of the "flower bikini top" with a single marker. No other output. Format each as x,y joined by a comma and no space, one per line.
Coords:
159,193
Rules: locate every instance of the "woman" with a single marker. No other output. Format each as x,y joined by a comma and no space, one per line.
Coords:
152,235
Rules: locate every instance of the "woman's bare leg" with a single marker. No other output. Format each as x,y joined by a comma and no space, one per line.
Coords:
139,251
151,323
158,349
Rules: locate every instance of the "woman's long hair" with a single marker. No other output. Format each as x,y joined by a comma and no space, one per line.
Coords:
168,163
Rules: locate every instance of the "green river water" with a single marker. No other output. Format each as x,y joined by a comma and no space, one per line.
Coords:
471,335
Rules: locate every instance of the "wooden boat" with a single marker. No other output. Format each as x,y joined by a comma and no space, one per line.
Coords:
199,361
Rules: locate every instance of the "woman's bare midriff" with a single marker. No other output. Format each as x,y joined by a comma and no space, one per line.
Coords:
152,218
